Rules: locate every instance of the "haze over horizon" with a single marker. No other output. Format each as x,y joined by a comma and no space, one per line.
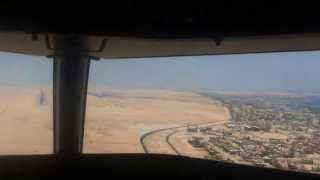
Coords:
285,71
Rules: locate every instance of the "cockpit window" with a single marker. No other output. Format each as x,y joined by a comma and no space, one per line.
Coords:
255,109
25,104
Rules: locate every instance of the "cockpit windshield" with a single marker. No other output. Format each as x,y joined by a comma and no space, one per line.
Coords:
255,109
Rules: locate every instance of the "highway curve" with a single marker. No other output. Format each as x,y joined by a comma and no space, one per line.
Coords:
171,133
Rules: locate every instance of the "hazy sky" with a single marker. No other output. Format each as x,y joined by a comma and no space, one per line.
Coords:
24,70
291,71
294,71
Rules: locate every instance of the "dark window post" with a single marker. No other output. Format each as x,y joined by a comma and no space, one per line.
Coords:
71,69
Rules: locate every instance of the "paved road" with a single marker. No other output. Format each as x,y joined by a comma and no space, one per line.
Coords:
169,132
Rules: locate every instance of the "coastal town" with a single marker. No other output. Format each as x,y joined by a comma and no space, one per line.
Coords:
263,133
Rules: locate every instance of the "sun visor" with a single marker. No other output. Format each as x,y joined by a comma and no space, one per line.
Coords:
124,47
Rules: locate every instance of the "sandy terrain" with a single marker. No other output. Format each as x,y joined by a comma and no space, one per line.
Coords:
26,126
116,122
156,143
180,142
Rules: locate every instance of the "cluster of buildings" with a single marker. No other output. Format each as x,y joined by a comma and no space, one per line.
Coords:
265,115
294,153
236,142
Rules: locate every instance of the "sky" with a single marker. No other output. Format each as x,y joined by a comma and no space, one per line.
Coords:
25,70
287,71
